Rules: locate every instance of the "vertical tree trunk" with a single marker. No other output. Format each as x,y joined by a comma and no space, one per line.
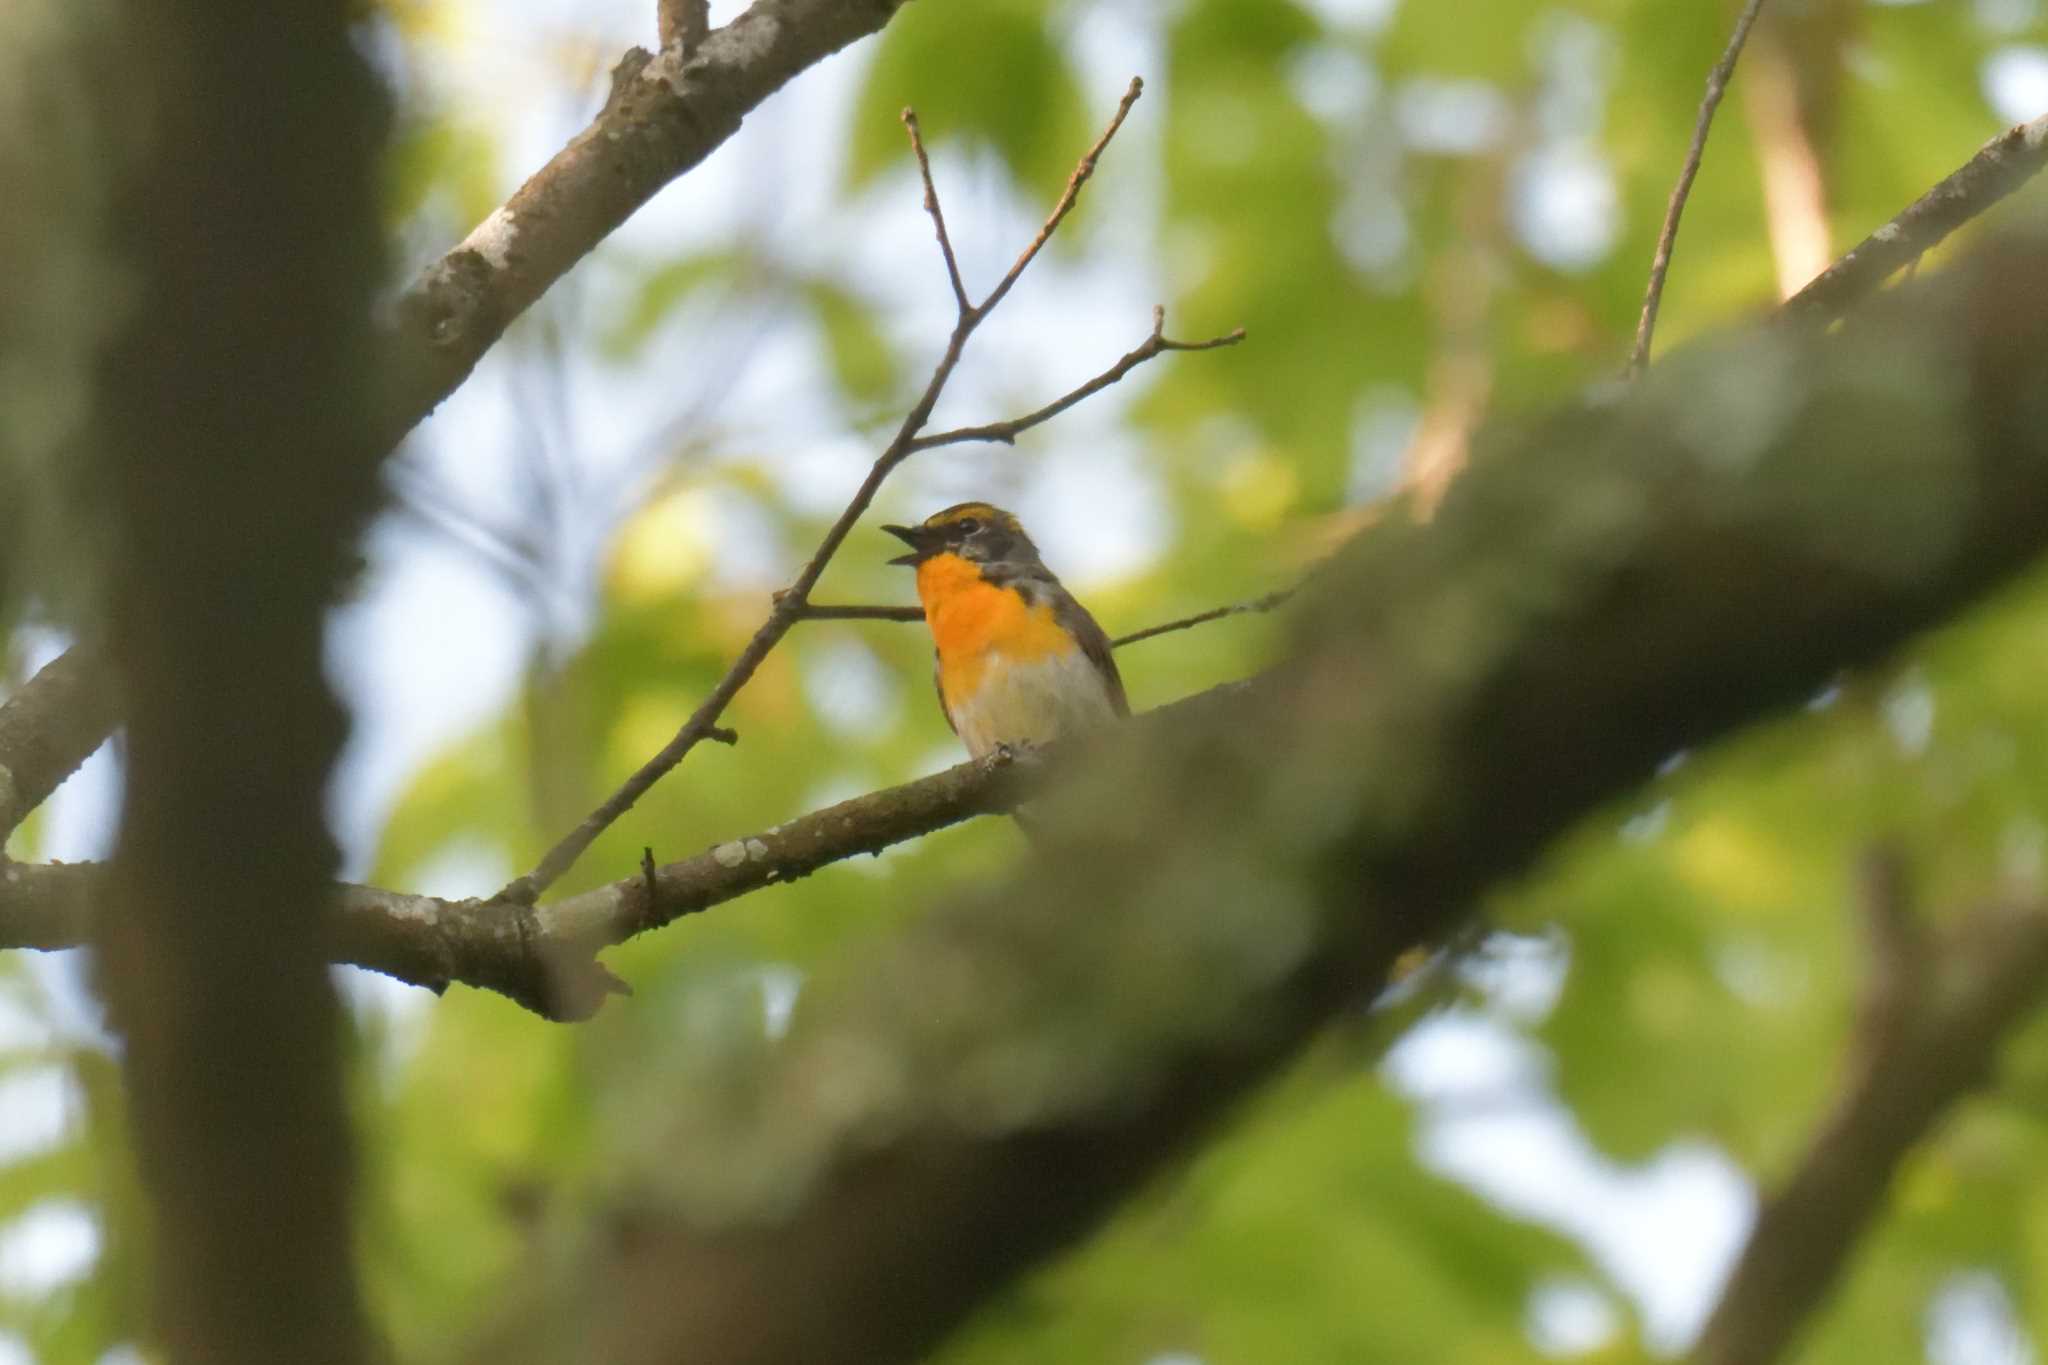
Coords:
234,466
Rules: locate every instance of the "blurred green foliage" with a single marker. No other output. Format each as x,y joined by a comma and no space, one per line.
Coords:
1359,184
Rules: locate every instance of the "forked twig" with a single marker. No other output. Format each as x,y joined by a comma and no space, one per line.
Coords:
1007,432
791,604
1083,169
1660,264
931,206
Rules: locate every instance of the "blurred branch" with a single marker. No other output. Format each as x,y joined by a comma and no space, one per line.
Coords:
49,727
2000,167
1933,1017
668,112
789,604
1660,263
232,466
985,1087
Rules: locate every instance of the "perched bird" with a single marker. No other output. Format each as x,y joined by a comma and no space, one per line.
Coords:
1019,662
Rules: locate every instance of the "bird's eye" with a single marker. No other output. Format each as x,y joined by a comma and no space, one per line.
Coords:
967,526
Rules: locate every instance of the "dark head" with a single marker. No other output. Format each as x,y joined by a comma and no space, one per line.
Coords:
975,531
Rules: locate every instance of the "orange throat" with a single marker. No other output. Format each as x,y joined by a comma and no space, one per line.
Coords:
974,623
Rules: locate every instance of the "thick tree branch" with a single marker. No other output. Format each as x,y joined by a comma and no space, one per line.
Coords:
544,958
1001,1074
1933,1019
1660,263
49,727
667,113
2000,167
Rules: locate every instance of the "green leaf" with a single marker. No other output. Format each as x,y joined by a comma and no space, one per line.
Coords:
864,364
989,73
665,289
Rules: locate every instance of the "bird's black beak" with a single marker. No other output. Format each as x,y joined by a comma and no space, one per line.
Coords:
914,537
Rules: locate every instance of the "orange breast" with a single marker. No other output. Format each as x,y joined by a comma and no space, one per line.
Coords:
973,622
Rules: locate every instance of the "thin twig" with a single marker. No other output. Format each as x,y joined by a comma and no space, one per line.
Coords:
1660,264
1007,432
812,612
2001,166
1933,1016
51,724
1898,949
1082,170
931,206
1257,604
789,604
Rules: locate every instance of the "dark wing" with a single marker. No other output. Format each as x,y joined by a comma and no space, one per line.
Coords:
1094,643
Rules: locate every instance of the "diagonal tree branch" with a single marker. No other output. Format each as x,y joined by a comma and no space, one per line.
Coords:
544,957
1256,605
1934,1016
667,113
49,727
2000,167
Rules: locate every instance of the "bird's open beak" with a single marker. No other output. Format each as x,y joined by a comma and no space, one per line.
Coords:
914,537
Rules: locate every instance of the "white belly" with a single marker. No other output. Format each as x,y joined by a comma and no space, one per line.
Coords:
1033,703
